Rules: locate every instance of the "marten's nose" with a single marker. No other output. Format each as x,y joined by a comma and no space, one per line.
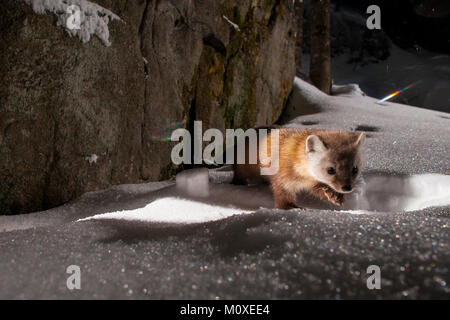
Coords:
347,188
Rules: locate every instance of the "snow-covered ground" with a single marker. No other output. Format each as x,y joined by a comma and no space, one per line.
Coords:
188,237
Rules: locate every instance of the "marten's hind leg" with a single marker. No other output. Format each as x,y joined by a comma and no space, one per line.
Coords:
246,174
238,179
239,176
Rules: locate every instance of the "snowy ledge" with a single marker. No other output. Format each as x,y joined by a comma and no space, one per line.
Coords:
93,19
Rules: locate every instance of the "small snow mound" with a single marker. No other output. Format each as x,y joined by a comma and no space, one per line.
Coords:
94,19
172,210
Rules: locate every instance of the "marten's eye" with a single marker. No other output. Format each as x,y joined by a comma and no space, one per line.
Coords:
331,171
355,170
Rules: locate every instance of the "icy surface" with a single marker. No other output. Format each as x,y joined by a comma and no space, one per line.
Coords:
94,19
267,254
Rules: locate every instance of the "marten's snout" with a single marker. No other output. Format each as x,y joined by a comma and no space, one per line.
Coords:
347,188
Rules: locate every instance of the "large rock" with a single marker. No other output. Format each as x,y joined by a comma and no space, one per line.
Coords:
77,117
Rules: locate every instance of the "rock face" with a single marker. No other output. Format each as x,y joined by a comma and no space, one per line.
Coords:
77,117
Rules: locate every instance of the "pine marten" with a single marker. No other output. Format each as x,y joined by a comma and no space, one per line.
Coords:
323,163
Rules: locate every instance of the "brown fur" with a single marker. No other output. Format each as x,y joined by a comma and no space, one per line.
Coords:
303,165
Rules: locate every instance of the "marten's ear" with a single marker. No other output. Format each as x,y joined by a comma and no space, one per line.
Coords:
314,144
360,140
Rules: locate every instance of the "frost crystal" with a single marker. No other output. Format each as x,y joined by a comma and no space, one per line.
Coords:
94,19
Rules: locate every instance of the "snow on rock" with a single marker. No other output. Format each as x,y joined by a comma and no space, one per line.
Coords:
172,210
92,158
234,25
94,19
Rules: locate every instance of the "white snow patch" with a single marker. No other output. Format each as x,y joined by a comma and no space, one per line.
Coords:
234,25
172,210
94,19
92,158
356,211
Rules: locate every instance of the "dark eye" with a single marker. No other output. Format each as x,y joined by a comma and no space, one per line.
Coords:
355,170
331,171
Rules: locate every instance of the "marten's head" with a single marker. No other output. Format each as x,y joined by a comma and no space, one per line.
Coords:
334,158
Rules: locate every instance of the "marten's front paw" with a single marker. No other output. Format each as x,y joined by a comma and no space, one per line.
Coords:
334,197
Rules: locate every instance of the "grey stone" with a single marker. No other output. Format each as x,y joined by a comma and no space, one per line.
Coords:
77,117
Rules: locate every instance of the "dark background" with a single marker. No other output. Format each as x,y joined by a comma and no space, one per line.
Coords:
409,23
412,47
